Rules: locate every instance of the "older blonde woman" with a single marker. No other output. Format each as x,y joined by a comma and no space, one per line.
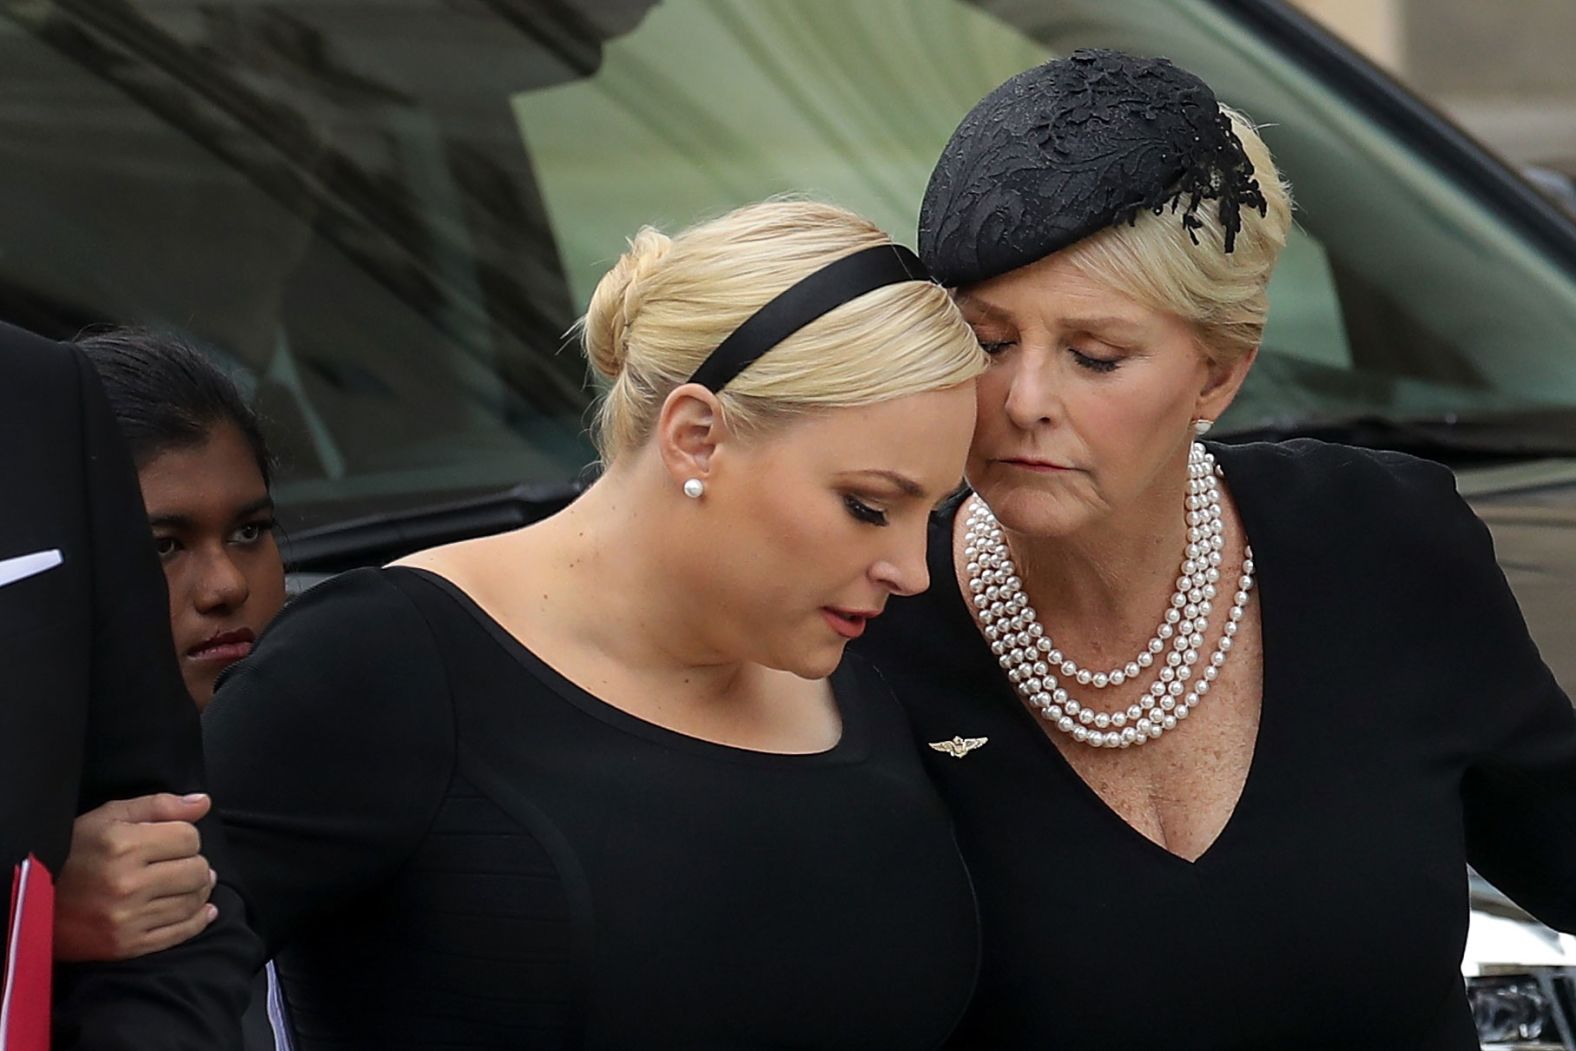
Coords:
605,781
1233,720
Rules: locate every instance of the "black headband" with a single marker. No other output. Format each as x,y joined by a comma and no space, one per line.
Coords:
801,303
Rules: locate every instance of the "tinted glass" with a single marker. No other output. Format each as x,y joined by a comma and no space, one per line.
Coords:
384,216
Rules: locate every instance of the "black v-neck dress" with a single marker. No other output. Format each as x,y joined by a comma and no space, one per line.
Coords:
1408,727
448,844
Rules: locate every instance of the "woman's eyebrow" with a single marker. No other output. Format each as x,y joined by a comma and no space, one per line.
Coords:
981,307
262,503
1101,324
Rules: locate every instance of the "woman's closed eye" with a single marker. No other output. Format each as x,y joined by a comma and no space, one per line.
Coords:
1093,362
863,511
993,347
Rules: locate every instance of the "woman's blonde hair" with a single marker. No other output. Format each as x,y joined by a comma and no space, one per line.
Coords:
668,302
1224,296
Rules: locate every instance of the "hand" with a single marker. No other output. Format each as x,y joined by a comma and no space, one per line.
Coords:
134,881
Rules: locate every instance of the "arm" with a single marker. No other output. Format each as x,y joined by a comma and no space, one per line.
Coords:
1519,729
331,748
142,737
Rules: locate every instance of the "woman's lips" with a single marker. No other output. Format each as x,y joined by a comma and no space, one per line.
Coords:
849,623
1041,466
224,647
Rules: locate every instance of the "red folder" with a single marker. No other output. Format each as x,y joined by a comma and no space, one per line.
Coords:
29,959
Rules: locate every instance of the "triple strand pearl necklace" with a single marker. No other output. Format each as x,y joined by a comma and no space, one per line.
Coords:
1042,673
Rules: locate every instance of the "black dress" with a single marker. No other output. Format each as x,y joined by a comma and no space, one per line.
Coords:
1408,727
446,843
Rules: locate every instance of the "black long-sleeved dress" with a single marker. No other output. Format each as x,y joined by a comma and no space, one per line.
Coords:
448,844
1408,727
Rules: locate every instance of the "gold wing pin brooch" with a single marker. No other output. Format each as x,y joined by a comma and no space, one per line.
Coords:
959,747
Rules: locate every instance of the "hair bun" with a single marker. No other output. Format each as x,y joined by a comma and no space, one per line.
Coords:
616,302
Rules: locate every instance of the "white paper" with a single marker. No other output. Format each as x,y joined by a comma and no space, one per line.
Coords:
23,566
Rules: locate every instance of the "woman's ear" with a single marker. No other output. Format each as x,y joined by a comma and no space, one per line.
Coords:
1221,384
689,430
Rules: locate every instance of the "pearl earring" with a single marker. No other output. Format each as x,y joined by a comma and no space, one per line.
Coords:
694,488
1201,426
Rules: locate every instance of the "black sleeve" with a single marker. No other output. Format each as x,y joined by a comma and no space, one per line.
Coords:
331,748
1519,791
142,737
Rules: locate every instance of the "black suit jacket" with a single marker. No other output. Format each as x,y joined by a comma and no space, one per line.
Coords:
92,706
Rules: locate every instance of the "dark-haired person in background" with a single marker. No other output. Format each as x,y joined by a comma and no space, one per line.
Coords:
205,473
91,706
135,881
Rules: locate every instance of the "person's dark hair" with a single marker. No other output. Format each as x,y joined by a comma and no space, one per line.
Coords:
166,394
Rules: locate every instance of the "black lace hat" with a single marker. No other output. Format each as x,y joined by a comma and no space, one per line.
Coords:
1069,148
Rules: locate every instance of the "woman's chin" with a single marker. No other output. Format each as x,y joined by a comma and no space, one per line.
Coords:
1034,511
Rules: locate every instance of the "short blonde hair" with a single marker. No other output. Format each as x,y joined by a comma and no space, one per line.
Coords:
1224,296
668,302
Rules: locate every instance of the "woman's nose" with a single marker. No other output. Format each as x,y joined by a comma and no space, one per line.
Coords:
222,585
1030,392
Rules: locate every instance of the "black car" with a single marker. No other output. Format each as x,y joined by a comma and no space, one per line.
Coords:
384,216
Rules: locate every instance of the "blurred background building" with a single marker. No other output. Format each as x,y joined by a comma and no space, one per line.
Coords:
1502,69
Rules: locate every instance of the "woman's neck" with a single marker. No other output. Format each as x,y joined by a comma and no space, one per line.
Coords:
620,591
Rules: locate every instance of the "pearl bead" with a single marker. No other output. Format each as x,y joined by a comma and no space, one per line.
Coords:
1101,680
1118,677
1169,722
1072,706
1065,725
1181,712
1135,713
1085,716
1132,670
1102,720
1118,719
1080,734
1083,676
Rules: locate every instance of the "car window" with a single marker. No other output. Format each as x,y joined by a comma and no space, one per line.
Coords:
1398,294
385,216
344,217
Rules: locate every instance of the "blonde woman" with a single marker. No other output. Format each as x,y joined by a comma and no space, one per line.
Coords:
1247,712
607,781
